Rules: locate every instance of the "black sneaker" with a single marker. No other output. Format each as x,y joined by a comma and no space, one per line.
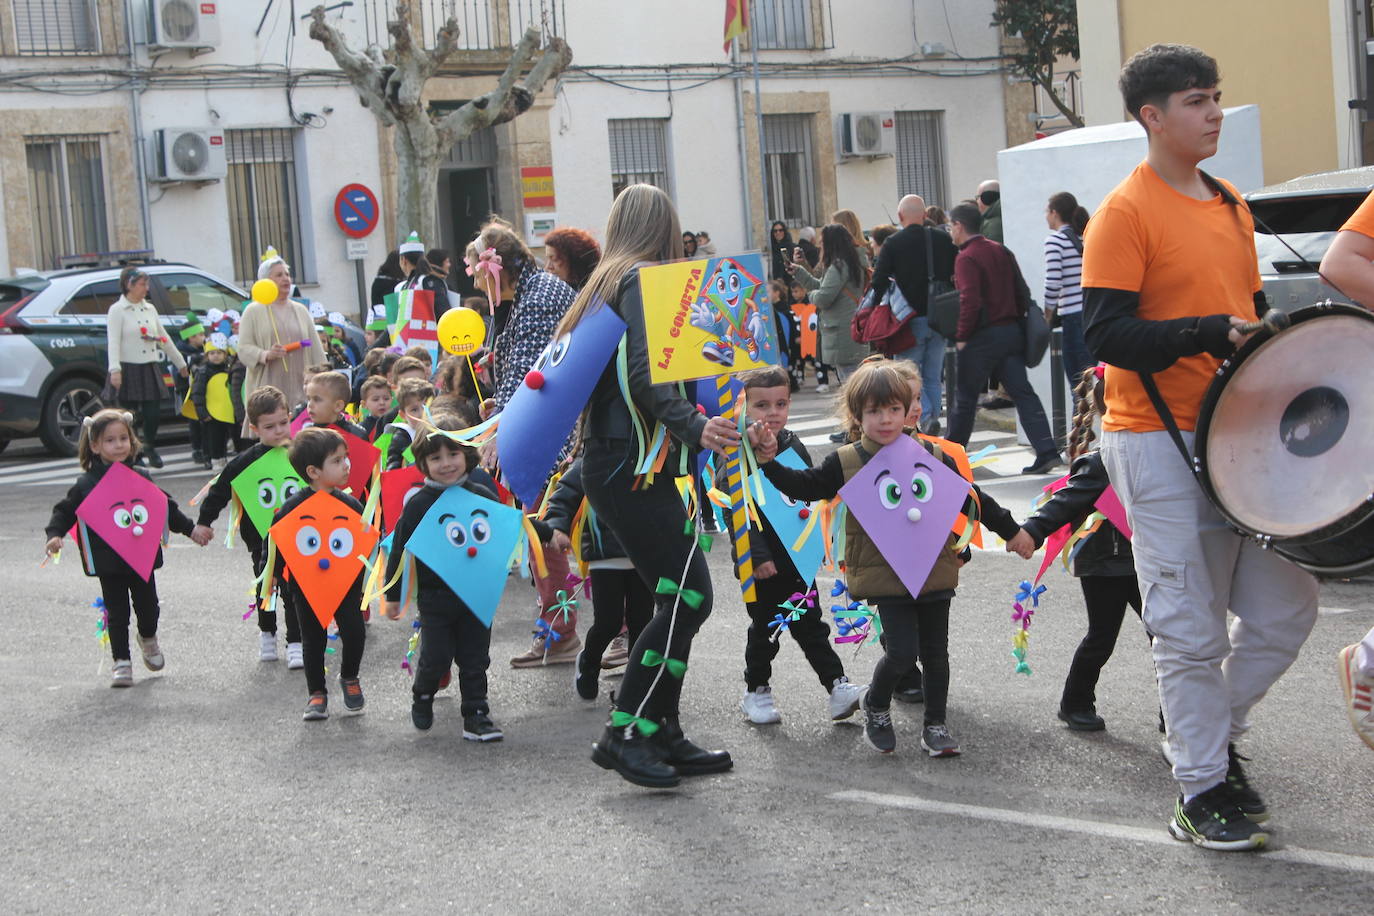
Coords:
422,712
479,727
1043,464
878,728
316,708
1242,793
1082,720
910,687
1212,820
353,694
938,742
585,681
839,438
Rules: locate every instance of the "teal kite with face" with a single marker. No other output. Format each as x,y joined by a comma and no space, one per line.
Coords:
469,542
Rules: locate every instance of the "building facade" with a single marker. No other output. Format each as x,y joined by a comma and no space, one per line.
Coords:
205,131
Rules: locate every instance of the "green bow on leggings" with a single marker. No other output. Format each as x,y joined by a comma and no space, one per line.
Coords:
620,719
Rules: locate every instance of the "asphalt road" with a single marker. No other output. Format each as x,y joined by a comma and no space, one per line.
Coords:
201,790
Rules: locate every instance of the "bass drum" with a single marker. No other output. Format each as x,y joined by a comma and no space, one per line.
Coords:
1285,440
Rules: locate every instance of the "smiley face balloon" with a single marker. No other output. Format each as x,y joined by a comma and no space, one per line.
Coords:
906,501
468,541
129,513
324,542
461,331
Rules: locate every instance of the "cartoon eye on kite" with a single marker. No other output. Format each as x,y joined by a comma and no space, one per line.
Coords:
734,282
812,322
481,529
558,349
787,500
720,285
340,542
140,514
542,359
308,540
123,518
889,491
267,494
289,488
921,485
455,532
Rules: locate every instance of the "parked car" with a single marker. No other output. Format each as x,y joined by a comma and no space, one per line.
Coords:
1306,212
52,341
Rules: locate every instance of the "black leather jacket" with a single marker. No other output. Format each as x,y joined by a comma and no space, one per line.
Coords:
1105,553
598,541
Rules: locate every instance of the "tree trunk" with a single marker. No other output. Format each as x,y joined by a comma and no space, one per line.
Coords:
417,178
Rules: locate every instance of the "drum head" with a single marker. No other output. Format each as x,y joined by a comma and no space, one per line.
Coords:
1289,446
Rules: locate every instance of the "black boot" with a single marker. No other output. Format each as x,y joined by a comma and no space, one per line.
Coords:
686,757
634,757
153,457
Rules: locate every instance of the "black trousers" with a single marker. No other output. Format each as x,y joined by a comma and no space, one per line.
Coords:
214,437
649,524
119,592
352,636
450,634
914,628
619,599
286,600
1106,598
810,632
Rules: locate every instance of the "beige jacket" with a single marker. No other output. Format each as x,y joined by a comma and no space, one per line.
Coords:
134,334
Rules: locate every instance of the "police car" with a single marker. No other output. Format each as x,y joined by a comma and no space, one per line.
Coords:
52,341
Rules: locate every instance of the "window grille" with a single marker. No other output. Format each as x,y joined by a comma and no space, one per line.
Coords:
264,208
921,156
790,169
67,196
55,27
781,24
639,153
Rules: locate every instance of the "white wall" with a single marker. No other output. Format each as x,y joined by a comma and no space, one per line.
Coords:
1089,163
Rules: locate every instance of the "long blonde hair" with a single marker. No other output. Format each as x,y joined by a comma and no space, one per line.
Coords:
642,226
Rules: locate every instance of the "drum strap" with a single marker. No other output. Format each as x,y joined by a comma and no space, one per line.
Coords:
1166,416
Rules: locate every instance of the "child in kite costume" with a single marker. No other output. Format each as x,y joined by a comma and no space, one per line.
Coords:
620,598
319,536
450,630
778,580
120,519
1102,559
258,482
915,620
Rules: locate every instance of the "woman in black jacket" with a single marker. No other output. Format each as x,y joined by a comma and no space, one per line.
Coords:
781,244
643,740
388,275
420,274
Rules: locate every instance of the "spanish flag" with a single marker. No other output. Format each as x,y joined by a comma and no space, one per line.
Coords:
736,20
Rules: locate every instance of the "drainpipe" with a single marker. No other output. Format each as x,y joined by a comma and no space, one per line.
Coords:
743,146
140,142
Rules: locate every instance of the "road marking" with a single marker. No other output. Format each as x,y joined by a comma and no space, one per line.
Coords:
822,423
1159,837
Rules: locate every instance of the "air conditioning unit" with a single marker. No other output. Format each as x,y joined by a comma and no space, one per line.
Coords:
183,24
188,154
868,133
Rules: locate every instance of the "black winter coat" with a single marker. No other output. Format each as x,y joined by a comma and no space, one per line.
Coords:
1107,552
103,557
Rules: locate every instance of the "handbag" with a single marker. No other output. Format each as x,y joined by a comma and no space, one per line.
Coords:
1034,329
875,324
942,299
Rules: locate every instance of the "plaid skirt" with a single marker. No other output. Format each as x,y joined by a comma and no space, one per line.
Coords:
140,382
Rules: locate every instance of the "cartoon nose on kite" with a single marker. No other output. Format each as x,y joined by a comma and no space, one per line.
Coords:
137,530
913,514
803,513
534,379
324,562
472,551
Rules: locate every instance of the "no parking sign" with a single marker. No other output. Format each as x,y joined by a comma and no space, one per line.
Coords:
356,211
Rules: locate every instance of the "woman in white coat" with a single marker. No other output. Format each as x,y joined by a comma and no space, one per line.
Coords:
136,340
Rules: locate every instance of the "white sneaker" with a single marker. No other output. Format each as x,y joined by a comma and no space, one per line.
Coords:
822,389
758,706
152,655
123,673
844,699
267,647
1166,751
1359,694
294,658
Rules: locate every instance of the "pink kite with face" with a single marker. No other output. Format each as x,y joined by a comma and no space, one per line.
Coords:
129,512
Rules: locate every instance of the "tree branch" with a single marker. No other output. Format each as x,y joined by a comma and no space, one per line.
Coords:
508,100
362,70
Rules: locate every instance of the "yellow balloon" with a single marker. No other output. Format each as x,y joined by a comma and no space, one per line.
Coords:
265,291
461,331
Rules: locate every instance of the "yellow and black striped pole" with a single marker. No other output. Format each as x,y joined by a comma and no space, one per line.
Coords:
734,488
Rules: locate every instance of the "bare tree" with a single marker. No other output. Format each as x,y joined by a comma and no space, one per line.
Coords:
391,83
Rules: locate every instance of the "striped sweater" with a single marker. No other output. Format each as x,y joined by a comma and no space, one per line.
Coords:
1063,273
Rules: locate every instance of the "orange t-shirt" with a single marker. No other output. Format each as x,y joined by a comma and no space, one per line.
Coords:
1184,257
1362,220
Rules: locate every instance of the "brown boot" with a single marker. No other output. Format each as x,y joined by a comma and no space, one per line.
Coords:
559,652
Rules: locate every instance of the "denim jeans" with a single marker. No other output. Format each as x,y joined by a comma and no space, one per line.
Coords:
1075,351
929,357
999,348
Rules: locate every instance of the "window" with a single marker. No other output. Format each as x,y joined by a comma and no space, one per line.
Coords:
55,27
92,299
783,24
921,156
639,153
790,169
263,205
66,197
195,293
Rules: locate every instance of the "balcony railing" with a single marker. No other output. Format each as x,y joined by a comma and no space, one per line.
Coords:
483,25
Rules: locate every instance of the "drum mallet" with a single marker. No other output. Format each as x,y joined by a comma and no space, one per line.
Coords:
1273,321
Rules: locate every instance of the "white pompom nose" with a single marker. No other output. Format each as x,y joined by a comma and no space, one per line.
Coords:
913,514
138,530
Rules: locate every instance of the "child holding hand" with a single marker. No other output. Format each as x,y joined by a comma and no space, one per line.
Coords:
876,398
108,438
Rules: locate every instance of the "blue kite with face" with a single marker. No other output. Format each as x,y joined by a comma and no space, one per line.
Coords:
542,412
469,541
729,309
